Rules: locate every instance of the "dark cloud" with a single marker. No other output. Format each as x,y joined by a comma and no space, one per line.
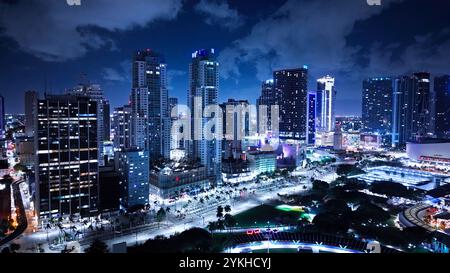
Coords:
120,74
54,31
300,32
315,33
218,12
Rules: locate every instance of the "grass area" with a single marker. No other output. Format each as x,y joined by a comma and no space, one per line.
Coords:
264,216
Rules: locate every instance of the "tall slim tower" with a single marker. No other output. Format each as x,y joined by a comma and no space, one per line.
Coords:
326,96
236,123
31,98
175,143
402,109
442,116
377,107
2,116
149,101
268,98
412,108
122,127
312,118
204,84
421,116
291,90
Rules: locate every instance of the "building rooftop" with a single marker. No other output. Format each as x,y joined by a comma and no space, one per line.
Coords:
440,191
430,141
172,166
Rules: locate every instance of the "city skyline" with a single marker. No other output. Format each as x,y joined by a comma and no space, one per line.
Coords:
224,126
246,60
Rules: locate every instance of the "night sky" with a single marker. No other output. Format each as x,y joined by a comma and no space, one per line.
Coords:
49,44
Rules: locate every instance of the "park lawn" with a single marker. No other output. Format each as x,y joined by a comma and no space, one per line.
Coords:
265,216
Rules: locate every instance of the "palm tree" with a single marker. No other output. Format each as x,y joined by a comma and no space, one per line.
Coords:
160,215
219,212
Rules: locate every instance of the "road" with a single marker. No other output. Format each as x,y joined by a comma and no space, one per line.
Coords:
196,214
21,215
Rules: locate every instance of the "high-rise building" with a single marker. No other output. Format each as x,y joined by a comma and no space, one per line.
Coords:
122,127
337,139
107,121
139,117
377,107
311,118
412,109
326,96
149,101
173,102
268,98
349,124
291,89
95,93
421,116
133,169
204,84
175,143
236,126
2,116
442,114
31,98
402,110
67,156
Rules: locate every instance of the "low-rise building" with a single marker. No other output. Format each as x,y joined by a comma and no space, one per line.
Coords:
236,171
133,168
431,150
25,151
109,189
262,161
173,179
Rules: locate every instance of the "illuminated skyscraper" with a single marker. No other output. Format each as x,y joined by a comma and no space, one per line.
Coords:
291,90
149,103
326,97
377,107
421,115
311,118
122,127
2,116
95,92
442,116
411,116
236,121
204,84
133,168
268,98
67,156
402,110
31,98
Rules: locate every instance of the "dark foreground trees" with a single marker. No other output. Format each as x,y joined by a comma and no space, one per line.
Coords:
97,247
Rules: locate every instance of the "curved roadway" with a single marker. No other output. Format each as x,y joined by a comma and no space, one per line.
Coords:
21,215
